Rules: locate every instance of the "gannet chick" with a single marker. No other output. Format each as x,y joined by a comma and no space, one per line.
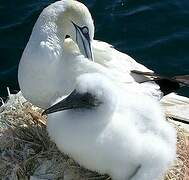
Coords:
105,130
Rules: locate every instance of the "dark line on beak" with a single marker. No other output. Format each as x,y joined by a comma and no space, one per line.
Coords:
75,31
84,46
135,172
44,113
78,30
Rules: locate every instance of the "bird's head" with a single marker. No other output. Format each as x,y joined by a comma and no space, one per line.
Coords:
92,91
73,20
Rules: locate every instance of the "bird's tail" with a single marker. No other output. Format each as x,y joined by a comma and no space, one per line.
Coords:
167,84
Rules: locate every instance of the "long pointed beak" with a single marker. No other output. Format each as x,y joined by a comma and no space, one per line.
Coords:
73,101
84,43
69,102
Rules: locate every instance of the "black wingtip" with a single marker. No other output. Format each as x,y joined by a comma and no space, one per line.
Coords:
167,84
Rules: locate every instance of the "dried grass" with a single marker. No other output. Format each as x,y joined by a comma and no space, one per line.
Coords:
180,169
27,153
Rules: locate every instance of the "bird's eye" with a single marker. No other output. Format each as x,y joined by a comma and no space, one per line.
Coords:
85,30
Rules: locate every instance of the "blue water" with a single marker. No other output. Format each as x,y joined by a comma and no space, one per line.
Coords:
155,33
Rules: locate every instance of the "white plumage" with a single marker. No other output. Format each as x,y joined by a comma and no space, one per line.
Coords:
120,137
49,67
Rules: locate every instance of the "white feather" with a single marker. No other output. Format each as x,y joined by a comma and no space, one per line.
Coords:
48,67
120,137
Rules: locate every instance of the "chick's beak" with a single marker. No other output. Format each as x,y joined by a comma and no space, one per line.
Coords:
73,101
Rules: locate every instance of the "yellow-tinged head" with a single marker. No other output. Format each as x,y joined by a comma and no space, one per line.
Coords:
73,19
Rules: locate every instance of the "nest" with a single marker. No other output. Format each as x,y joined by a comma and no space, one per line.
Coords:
27,152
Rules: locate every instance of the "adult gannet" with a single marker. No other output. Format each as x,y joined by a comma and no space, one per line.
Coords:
47,69
105,130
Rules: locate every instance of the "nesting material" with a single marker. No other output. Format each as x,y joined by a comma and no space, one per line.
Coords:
27,152
180,170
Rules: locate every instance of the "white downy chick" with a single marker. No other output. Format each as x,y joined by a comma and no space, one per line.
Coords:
105,130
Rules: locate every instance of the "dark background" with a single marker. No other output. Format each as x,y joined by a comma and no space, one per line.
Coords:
155,33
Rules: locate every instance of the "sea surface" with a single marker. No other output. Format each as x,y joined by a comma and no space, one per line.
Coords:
154,32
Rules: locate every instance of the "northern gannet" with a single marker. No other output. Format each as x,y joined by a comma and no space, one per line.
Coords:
103,128
47,69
